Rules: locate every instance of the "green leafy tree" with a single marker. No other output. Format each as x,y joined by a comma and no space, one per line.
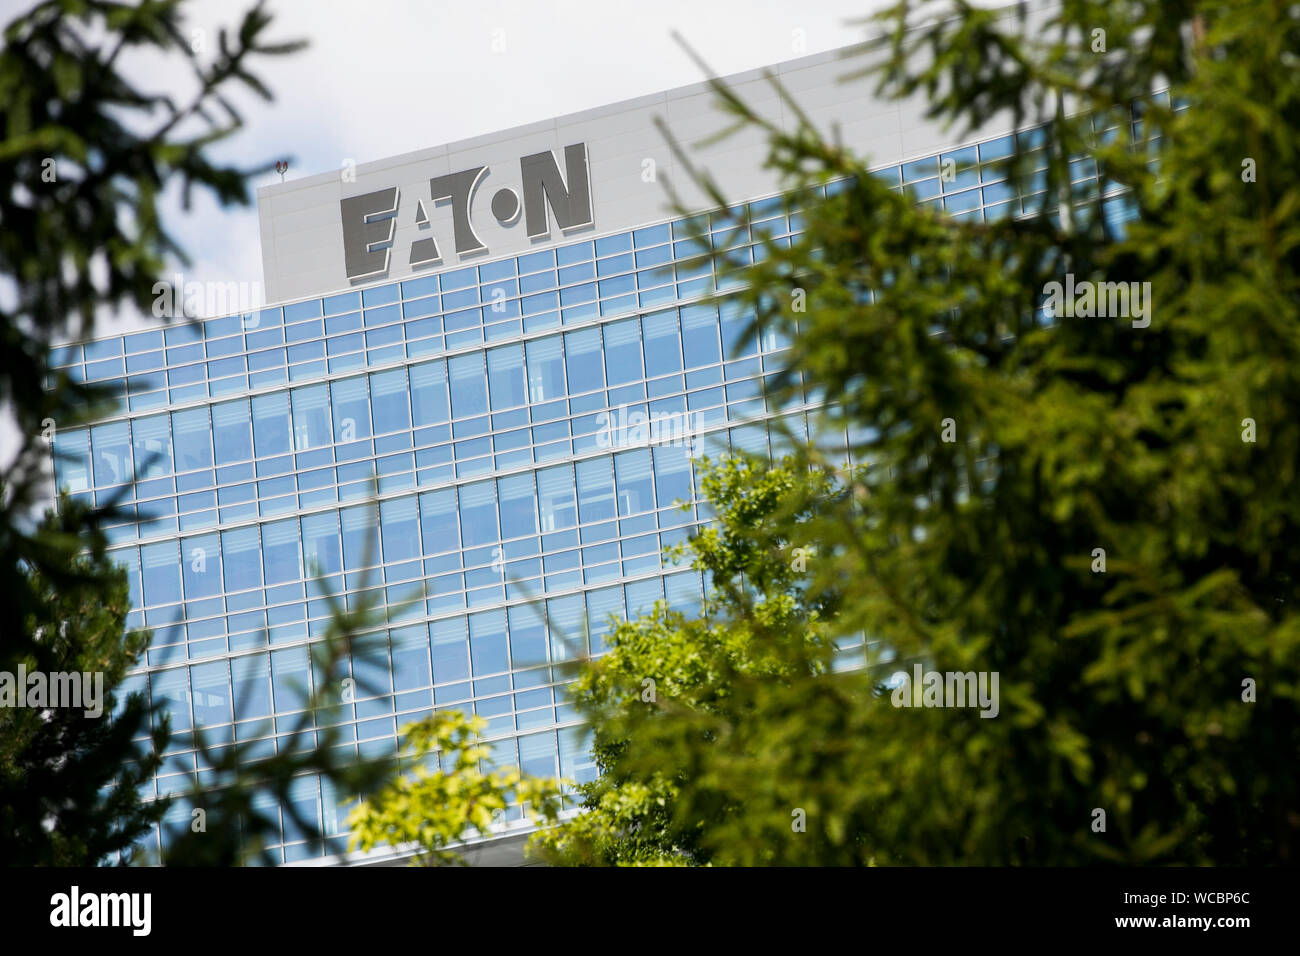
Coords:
447,793
69,775
1096,509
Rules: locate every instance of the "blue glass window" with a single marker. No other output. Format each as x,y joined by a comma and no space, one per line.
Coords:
311,417
388,401
438,522
450,647
231,432
468,385
555,498
546,369
321,549
201,566
585,369
241,559
152,440
429,393
478,514
271,424
401,529
161,572
518,505
623,352
280,551
506,377
112,447
351,407
595,490
662,348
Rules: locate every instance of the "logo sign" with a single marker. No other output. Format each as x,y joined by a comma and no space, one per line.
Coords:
370,220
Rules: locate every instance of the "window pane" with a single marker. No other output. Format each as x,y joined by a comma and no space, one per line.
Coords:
662,350
450,650
192,439
321,547
478,514
280,551
635,481
546,369
518,508
161,572
429,393
623,352
271,424
487,643
311,417
231,433
468,386
351,409
152,441
201,566
240,559
506,377
582,350
401,530
700,335
555,498
438,522
595,490
388,401
112,446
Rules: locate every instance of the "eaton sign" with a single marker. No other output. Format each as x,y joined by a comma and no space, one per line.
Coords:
369,220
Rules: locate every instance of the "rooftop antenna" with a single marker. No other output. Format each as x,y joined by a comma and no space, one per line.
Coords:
281,167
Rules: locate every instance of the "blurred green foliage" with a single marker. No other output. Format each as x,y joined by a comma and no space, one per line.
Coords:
995,448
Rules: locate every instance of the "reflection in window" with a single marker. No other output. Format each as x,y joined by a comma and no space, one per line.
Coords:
672,474
311,417
546,369
280,551
271,424
478,513
518,509
429,393
388,401
152,441
192,439
201,566
351,409
468,385
112,446
211,694
555,498
586,372
360,547
450,650
662,351
506,377
635,481
320,544
231,434
595,490
700,335
438,522
161,572
401,530
240,559
623,351
72,459
487,643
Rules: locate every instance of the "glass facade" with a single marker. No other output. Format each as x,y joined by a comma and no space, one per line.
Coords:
473,401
